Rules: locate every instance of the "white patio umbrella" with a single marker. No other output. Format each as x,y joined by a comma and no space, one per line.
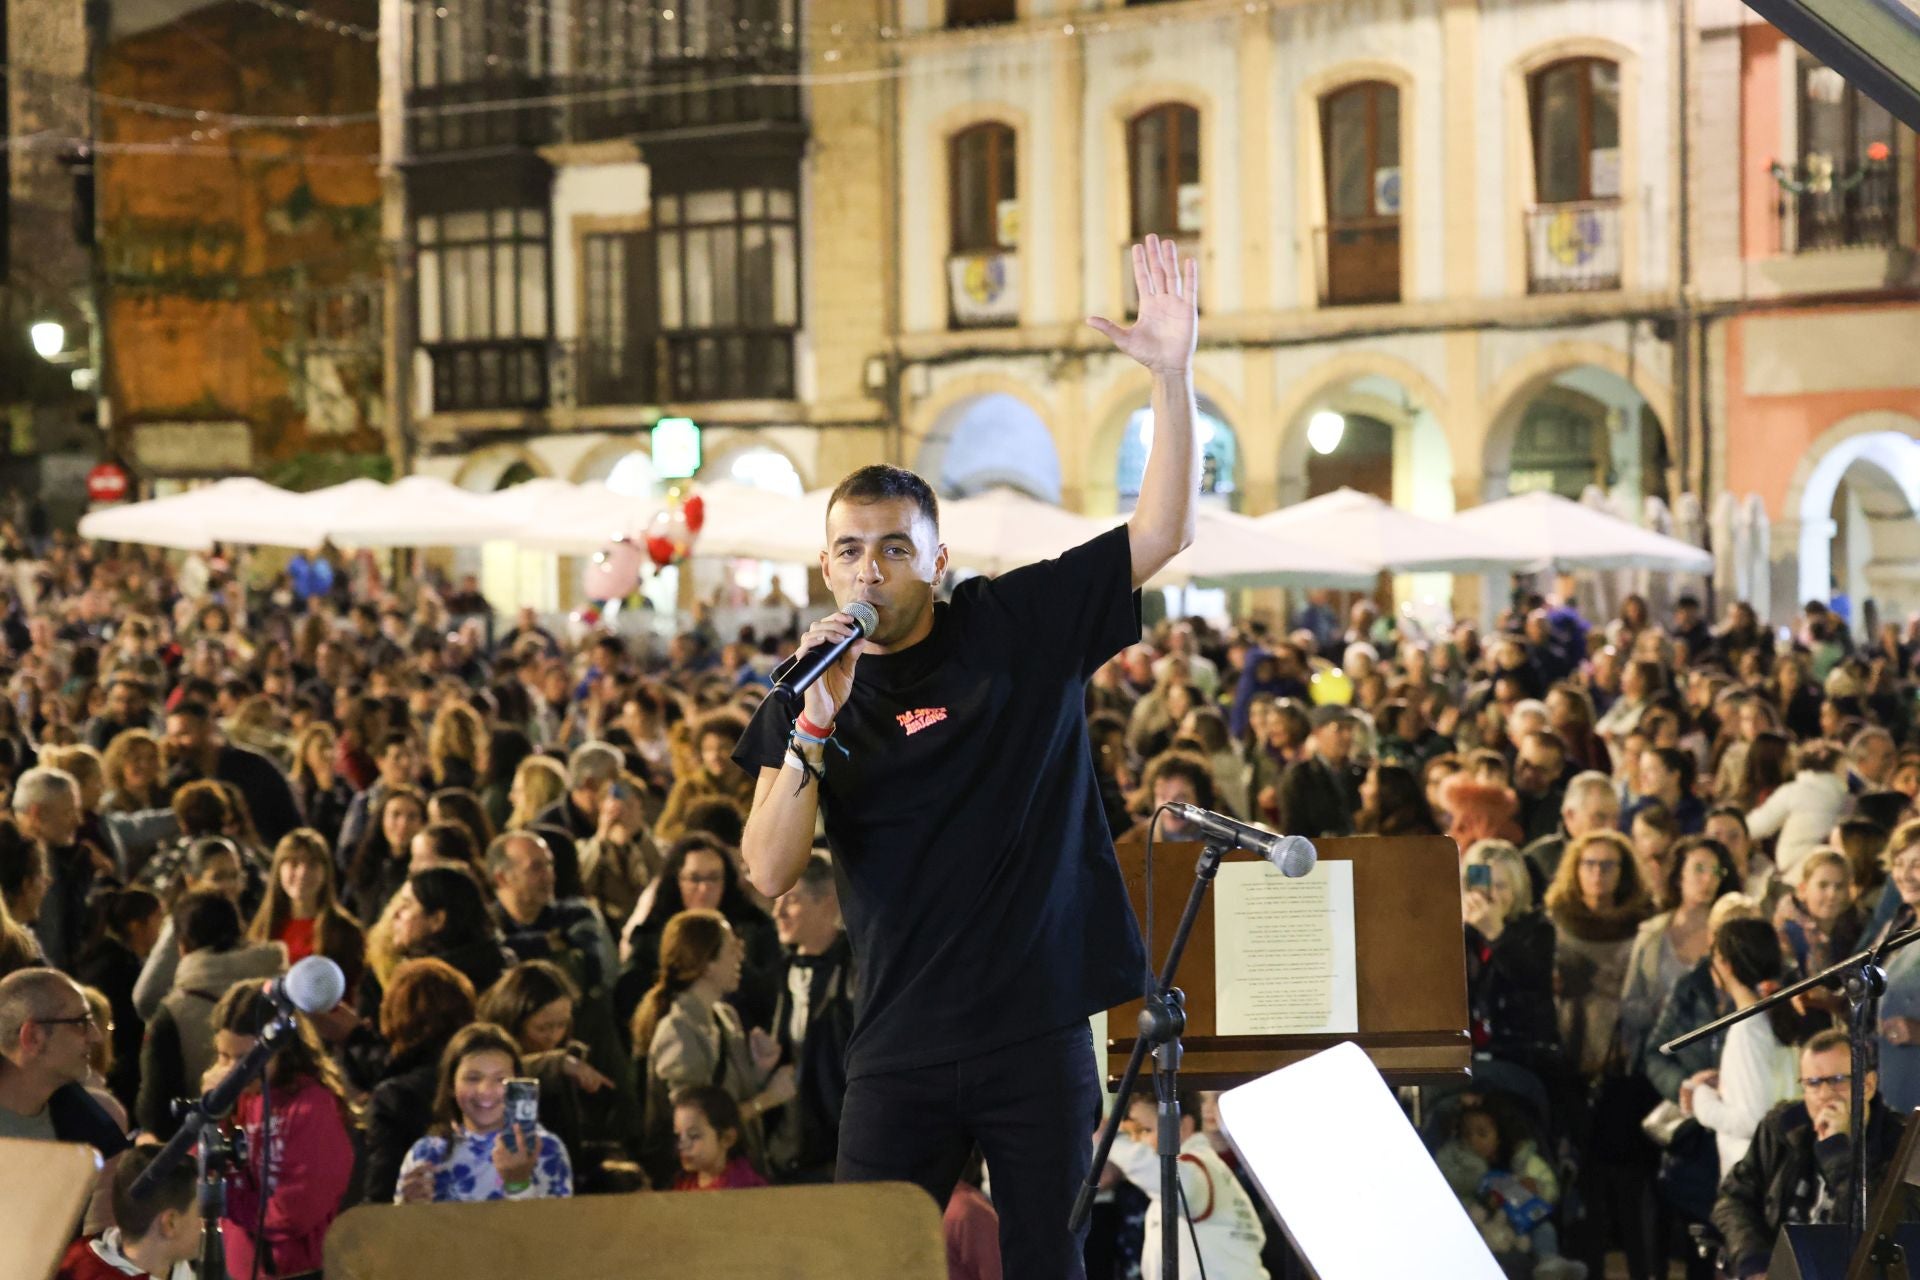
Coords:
416,511
1231,550
1565,536
559,515
789,530
1358,526
1003,529
239,509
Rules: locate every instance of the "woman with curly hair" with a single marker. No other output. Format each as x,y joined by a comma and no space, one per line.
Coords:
457,746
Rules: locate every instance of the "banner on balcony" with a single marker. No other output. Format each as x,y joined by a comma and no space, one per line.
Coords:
985,287
1575,246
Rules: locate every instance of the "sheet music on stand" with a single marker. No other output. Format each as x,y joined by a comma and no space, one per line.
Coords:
1328,1147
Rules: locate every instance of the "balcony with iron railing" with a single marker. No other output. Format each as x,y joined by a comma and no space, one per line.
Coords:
983,289
501,373
1821,209
685,367
1573,247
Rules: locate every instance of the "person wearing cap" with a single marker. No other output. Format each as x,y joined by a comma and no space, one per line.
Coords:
1320,794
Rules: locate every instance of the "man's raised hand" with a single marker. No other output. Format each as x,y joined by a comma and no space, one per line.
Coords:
1167,324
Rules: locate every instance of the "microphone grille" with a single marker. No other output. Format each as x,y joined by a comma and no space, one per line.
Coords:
864,616
1295,856
315,985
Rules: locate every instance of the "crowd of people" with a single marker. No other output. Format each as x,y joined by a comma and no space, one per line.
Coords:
522,852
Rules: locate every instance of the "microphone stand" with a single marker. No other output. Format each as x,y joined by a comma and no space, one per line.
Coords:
1862,978
1162,1022
215,1152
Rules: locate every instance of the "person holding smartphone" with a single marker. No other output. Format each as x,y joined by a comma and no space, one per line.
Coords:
1509,958
486,1142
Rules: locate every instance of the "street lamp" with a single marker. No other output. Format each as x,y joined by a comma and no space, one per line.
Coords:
1325,430
49,338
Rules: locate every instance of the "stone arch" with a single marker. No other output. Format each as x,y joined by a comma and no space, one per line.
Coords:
482,470
1490,455
1298,402
1110,422
721,460
1881,448
596,462
933,417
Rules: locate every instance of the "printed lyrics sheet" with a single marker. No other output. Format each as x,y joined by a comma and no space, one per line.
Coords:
1283,951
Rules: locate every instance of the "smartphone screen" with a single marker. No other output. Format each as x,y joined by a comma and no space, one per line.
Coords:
523,1101
1480,876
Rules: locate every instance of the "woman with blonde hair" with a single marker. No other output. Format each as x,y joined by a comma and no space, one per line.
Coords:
132,770
457,746
537,783
301,910
1509,959
690,1036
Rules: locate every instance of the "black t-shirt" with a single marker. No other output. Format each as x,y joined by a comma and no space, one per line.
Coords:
976,871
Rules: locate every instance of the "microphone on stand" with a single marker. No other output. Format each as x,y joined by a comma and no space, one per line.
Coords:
315,985
1293,855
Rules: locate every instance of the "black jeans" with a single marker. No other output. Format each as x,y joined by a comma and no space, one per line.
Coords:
1031,1107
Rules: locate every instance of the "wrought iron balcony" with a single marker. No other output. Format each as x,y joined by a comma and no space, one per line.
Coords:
1573,247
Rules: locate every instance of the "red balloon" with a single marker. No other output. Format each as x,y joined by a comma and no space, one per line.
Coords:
660,550
696,513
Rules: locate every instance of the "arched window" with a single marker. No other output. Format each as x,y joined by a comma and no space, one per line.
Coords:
1360,143
984,189
1575,108
1163,168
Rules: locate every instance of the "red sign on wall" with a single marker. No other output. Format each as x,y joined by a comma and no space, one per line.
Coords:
107,483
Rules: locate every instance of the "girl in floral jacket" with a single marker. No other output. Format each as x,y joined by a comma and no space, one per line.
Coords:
472,1153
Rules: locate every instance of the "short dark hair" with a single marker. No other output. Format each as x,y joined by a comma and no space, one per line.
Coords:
816,876
395,738
883,483
174,1189
191,709
21,860
206,920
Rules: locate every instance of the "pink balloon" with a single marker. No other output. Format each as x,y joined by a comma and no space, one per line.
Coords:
613,572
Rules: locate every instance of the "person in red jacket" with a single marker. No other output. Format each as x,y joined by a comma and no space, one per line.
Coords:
306,1176
157,1235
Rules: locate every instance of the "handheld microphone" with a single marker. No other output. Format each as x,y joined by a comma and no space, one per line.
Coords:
1293,855
315,985
810,666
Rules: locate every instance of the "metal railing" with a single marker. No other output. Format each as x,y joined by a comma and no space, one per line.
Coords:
507,373
983,289
1573,247
1857,214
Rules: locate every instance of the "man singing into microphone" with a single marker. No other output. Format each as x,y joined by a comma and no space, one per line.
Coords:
949,753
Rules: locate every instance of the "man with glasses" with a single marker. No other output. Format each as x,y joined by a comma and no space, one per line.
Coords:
46,1037
1800,1166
